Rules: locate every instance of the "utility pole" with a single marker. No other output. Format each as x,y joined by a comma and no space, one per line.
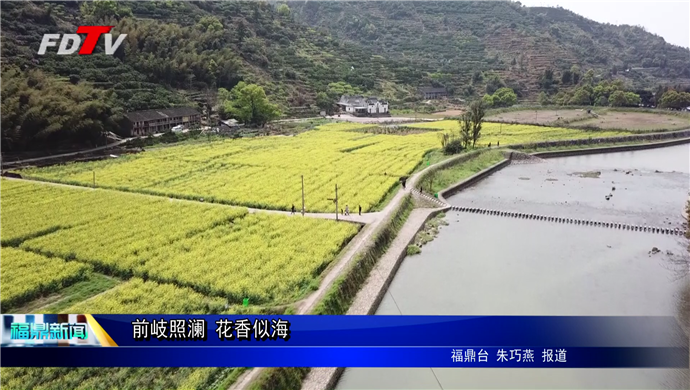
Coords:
336,202
303,195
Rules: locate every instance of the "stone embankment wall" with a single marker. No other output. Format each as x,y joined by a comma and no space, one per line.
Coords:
671,135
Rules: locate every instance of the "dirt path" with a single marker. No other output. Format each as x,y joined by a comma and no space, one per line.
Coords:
118,143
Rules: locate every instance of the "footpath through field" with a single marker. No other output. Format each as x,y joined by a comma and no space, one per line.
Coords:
29,160
345,259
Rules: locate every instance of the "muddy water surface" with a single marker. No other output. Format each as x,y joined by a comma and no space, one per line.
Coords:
490,265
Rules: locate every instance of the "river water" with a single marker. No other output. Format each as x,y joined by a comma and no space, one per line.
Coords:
492,265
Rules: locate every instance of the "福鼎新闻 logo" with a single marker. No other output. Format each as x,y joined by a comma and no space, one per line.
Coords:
71,42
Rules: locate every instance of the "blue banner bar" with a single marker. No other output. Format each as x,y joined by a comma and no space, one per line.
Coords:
339,357
417,331
347,341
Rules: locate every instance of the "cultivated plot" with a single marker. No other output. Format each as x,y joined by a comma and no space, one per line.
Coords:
263,172
507,134
214,250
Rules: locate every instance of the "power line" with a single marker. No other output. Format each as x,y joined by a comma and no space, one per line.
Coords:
400,311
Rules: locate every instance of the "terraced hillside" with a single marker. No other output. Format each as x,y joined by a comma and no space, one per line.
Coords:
452,40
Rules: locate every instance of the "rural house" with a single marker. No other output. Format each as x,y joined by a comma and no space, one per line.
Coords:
157,121
363,106
228,126
433,92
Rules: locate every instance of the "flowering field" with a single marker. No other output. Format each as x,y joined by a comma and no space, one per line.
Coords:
215,250
139,297
263,172
25,275
517,134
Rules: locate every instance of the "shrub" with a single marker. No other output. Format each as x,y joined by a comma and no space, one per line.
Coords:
453,147
413,250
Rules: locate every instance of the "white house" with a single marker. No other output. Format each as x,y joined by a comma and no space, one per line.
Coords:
362,106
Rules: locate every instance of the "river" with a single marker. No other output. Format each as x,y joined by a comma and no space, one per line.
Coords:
492,265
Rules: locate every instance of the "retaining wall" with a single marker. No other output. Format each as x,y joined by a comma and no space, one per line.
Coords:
375,288
671,135
472,180
610,149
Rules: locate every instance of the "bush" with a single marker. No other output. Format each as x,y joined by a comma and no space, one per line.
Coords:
413,250
453,147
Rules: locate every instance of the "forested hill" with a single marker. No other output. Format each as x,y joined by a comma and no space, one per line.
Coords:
179,52
453,40
174,53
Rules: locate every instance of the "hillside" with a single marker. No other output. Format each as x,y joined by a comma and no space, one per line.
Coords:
452,40
181,52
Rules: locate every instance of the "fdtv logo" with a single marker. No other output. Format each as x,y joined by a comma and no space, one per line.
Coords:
93,33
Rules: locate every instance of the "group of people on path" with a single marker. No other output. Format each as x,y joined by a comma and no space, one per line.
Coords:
347,210
343,212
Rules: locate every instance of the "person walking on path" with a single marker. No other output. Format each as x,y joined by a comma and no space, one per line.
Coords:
404,180
347,210
498,143
293,209
360,209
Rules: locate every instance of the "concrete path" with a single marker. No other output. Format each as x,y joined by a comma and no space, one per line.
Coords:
345,259
370,295
365,218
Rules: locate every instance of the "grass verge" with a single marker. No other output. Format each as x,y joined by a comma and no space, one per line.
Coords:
68,296
444,177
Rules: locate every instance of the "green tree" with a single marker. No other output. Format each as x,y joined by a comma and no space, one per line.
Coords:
632,99
493,83
99,10
250,105
546,80
466,129
488,100
575,72
504,97
324,102
544,99
581,97
336,90
477,113
210,24
617,99
283,10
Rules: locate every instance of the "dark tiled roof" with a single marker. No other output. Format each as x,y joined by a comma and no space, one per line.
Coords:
432,90
148,115
358,100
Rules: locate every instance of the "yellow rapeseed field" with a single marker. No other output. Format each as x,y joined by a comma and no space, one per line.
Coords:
508,134
263,172
215,250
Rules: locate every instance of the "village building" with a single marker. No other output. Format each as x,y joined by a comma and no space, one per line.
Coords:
228,126
363,106
433,92
140,123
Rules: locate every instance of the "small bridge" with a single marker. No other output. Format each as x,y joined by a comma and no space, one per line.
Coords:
572,221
